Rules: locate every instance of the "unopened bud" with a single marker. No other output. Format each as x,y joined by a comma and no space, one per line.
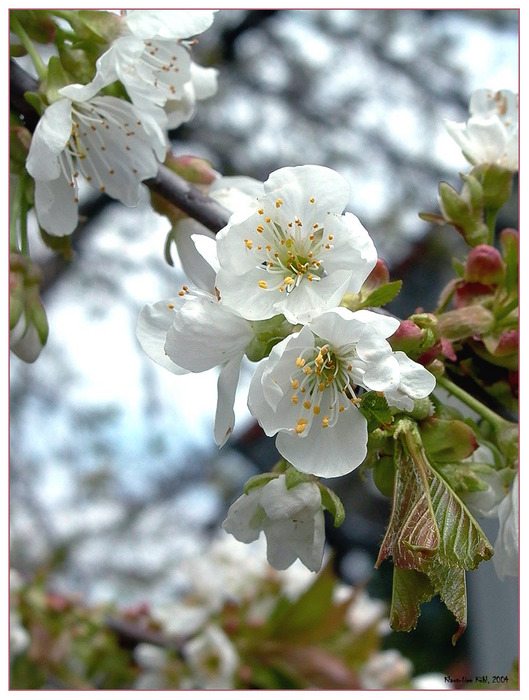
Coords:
378,276
408,337
484,264
497,185
508,343
467,322
469,293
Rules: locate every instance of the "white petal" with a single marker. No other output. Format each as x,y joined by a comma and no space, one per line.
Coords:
506,547
49,140
153,323
57,210
245,517
415,380
227,388
282,503
328,452
311,298
299,184
168,24
205,81
196,267
205,334
352,249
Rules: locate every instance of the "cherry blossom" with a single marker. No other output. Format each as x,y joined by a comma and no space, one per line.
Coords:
101,139
294,252
291,519
307,390
491,132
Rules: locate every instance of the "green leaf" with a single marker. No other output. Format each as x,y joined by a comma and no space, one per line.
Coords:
333,504
410,589
461,476
375,408
383,295
412,533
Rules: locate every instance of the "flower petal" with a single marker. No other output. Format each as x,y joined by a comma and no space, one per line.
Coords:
153,323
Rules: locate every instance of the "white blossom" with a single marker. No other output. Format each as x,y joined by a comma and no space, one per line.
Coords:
306,391
153,62
506,547
293,252
386,669
491,132
291,519
213,659
194,332
101,139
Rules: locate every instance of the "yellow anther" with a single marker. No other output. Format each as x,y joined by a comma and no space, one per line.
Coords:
279,202
315,226
268,219
321,386
294,398
185,288
249,243
294,383
306,404
341,409
310,278
171,306
288,280
262,284
260,229
325,422
316,410
307,370
311,200
260,211
330,237
311,237
324,350
181,293
300,361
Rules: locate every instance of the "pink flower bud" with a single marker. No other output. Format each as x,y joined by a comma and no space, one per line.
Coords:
484,264
508,344
407,337
468,293
378,276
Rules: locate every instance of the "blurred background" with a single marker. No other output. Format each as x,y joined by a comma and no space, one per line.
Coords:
115,477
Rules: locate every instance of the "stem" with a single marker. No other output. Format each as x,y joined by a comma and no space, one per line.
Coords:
36,59
490,220
486,413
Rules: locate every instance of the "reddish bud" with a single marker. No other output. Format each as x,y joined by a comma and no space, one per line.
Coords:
407,337
508,343
378,276
468,293
484,264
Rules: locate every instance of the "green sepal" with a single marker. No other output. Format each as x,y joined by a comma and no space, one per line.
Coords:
105,26
293,477
57,78
384,475
258,481
333,504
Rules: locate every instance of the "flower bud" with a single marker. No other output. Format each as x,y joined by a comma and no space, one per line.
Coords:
468,293
408,337
508,344
467,322
497,185
464,211
484,264
509,236
378,276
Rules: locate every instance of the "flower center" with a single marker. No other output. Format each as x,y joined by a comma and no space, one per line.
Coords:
323,385
291,251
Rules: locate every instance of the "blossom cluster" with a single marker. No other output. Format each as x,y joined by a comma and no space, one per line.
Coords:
270,290
114,143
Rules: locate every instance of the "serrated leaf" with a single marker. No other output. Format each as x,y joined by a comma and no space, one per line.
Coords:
410,589
450,584
383,295
461,476
333,504
412,533
375,406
